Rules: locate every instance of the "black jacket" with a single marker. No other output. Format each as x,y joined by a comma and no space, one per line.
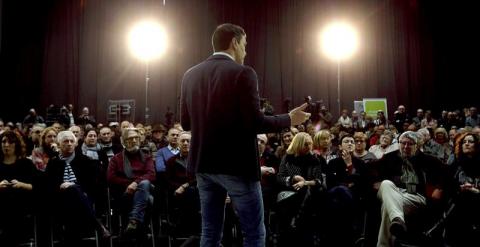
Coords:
220,105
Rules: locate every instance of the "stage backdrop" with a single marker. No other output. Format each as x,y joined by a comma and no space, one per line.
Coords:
75,51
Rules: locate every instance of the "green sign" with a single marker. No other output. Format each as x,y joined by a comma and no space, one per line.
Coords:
372,106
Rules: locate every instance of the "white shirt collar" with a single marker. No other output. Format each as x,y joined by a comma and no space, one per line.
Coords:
223,53
173,150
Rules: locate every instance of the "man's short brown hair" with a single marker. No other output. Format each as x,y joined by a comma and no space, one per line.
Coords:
223,35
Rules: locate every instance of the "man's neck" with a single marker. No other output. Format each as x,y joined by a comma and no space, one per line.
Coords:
227,53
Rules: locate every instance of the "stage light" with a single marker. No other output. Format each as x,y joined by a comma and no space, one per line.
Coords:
339,41
147,40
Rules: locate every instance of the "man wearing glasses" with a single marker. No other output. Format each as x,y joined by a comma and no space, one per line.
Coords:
130,174
407,179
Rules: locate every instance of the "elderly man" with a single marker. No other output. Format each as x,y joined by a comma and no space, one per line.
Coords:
70,180
407,178
183,193
130,174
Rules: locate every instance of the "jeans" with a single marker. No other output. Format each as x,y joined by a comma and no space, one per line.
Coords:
247,201
140,201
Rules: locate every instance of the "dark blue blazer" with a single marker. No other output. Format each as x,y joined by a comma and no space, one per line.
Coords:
220,105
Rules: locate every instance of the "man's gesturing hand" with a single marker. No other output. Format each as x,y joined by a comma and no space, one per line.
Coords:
298,116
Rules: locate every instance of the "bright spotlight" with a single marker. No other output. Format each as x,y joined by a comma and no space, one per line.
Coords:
147,40
339,41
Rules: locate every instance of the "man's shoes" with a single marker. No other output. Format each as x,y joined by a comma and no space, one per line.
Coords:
132,226
398,228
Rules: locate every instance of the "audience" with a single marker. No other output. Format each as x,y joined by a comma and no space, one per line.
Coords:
402,164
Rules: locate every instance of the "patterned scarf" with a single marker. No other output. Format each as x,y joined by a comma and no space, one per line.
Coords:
91,152
68,174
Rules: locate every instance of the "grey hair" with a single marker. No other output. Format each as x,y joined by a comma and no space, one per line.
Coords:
125,134
62,135
410,135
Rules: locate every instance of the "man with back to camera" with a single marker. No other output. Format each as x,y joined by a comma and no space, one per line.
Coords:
220,95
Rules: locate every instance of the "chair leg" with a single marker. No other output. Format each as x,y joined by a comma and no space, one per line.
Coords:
35,231
152,232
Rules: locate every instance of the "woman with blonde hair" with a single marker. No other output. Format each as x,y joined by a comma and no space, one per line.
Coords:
47,150
322,145
300,171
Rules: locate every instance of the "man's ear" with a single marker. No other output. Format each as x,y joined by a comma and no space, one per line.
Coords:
234,42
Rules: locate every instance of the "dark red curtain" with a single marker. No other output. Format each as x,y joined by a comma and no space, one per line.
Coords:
80,54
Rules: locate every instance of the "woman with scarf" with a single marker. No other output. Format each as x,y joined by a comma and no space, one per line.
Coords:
93,150
71,183
130,175
48,149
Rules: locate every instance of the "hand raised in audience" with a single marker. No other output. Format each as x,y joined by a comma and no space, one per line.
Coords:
347,157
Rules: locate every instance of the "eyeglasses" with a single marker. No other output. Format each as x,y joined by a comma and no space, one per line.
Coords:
404,143
359,141
348,141
133,138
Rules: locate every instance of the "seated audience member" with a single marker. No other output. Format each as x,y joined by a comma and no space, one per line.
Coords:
428,121
322,145
183,193
32,118
417,120
360,148
158,137
473,119
33,140
130,175
301,173
106,143
85,118
79,133
344,121
269,165
286,138
463,221
386,145
71,183
429,146
381,119
406,179
441,137
17,175
347,184
91,149
146,146
48,149
169,151
376,134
